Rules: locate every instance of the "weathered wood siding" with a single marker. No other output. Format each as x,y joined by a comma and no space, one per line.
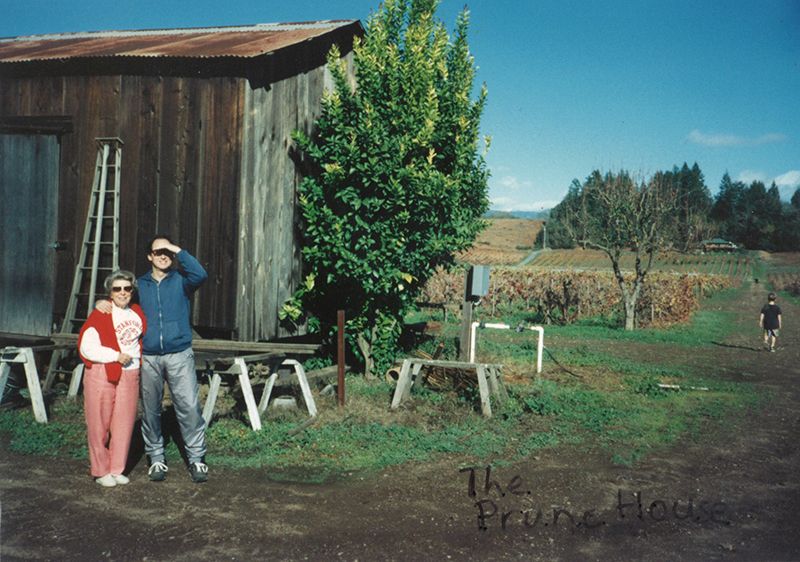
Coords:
28,196
270,265
180,169
269,261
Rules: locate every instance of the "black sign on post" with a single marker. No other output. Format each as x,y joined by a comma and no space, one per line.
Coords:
475,287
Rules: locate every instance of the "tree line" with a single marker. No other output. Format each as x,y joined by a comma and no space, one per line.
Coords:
753,216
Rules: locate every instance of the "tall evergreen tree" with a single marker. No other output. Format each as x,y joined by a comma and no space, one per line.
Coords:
558,232
795,201
727,208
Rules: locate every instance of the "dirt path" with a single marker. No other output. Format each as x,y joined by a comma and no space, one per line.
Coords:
733,497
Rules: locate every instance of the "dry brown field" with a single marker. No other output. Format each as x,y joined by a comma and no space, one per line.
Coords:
503,242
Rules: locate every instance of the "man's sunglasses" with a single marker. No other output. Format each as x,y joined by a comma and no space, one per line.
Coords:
163,252
126,288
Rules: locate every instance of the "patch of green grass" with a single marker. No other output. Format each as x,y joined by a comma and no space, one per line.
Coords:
705,327
637,419
65,434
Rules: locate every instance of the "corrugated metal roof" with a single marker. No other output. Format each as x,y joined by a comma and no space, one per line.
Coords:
240,41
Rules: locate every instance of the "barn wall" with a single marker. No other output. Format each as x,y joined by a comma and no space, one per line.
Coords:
207,146
270,265
180,169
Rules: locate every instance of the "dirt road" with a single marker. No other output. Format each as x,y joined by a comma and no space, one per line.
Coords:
733,497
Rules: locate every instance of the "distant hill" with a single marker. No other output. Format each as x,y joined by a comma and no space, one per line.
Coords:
517,214
506,241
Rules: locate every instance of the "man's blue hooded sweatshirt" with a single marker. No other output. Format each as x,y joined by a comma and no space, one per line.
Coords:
166,306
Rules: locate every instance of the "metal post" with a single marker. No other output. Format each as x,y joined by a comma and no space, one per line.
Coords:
340,354
466,330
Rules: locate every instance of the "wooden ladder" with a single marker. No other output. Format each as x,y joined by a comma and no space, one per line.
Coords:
99,249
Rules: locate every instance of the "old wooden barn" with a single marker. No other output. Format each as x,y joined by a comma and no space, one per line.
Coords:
206,117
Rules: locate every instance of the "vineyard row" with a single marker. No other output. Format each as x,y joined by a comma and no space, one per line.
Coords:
562,297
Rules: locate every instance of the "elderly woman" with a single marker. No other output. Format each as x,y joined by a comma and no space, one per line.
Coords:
110,346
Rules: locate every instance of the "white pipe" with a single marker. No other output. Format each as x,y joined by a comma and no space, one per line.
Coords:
539,344
539,347
472,334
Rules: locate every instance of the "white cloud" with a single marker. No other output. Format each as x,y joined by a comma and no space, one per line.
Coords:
789,179
769,138
512,204
515,184
749,176
718,139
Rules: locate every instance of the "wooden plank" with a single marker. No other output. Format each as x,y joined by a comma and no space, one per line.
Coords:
226,241
256,242
224,346
277,165
248,209
486,406
132,252
300,375
403,383
247,392
216,202
51,124
171,198
263,221
149,182
211,399
453,364
267,392
284,283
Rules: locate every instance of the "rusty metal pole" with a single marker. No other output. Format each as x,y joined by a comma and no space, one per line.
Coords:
340,354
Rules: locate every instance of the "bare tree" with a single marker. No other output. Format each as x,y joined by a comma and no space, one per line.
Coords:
622,215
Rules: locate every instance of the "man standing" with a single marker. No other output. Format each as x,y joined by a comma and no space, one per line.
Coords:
167,355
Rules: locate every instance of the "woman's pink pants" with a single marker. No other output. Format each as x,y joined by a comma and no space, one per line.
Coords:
110,411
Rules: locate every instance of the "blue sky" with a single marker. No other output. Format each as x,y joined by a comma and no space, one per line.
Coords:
573,85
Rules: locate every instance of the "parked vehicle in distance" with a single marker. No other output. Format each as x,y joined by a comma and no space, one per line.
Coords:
718,245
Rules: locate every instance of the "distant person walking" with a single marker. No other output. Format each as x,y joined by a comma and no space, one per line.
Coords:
771,322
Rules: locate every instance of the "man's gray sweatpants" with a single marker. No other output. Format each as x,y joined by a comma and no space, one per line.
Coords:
178,371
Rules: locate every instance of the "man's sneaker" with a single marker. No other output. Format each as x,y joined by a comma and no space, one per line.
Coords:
199,471
158,471
120,478
106,481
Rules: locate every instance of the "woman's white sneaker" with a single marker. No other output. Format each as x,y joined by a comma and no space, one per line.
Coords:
106,481
121,479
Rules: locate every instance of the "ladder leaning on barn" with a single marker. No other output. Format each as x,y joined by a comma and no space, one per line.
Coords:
99,249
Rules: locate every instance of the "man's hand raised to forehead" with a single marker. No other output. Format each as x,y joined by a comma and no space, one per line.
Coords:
162,244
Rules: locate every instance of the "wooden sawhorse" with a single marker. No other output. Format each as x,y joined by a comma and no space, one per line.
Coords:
490,381
239,368
24,355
